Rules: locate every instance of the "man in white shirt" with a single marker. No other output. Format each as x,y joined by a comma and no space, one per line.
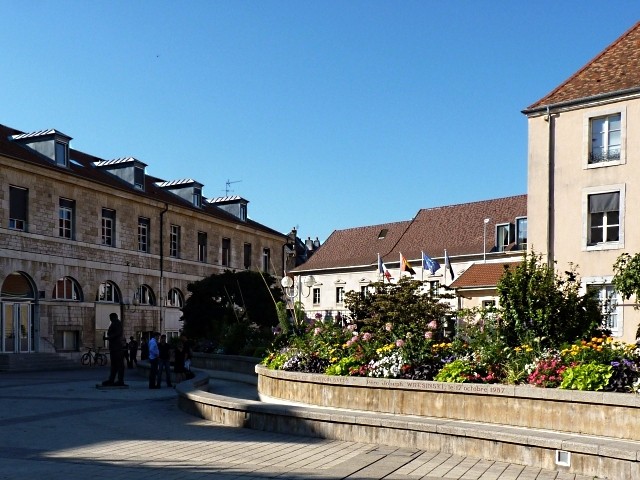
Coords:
154,354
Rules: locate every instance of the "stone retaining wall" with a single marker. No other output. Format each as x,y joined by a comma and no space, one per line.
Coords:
614,415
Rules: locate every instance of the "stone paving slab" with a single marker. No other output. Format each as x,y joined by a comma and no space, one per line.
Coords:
57,425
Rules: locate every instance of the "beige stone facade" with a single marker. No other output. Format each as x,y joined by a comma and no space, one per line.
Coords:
584,151
146,289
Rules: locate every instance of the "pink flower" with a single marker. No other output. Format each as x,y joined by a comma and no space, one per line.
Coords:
351,327
428,335
388,327
366,337
433,325
316,331
399,343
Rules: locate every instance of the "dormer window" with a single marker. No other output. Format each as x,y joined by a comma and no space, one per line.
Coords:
52,144
243,211
62,154
138,178
197,197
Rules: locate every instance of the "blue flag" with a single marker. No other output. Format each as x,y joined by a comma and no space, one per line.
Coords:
429,263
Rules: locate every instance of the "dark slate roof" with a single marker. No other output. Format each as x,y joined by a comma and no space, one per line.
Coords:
457,228
84,165
481,275
356,246
614,71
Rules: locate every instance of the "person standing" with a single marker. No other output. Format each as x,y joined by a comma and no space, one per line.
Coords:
116,352
178,363
133,352
154,354
164,365
144,350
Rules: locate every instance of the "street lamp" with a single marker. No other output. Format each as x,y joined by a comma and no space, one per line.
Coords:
484,240
291,290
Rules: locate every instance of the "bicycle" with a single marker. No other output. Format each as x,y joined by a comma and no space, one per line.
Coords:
93,357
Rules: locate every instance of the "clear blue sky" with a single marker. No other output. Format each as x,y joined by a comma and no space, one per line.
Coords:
328,114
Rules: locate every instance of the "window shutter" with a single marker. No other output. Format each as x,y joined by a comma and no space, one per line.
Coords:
604,202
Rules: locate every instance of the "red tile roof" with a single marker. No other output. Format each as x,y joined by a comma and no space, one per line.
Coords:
614,71
457,228
356,246
481,275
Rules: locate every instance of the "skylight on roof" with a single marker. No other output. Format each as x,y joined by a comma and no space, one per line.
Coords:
383,233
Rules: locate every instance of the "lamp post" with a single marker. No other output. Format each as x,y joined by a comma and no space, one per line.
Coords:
484,241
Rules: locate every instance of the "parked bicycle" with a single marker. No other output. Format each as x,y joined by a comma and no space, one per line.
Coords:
93,357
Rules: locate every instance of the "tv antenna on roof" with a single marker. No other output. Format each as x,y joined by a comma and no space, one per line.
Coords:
227,188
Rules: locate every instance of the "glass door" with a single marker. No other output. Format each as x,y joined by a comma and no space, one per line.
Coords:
17,328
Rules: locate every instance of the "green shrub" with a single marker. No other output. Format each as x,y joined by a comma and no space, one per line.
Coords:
588,376
457,371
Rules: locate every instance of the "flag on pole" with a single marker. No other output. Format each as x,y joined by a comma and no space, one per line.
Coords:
430,264
382,269
405,267
447,265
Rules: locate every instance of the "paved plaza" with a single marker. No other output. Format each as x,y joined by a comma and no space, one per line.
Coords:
57,425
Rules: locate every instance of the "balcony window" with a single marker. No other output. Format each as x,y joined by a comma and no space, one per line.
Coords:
605,138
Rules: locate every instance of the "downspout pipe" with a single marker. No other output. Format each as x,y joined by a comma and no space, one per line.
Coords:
162,296
549,118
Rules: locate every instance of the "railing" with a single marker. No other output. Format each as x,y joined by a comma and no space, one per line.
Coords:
600,156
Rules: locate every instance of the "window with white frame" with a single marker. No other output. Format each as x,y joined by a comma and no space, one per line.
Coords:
107,292
606,138
503,236
316,296
108,227
144,228
226,252
364,291
145,296
62,154
66,218
174,241
18,207
175,298
67,288
247,256
339,295
434,287
202,247
138,178
521,233
197,197
603,218
610,304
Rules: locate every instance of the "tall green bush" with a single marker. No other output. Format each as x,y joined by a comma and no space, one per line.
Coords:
537,302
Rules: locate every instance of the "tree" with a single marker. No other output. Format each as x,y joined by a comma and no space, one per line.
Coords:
234,310
404,305
536,302
626,277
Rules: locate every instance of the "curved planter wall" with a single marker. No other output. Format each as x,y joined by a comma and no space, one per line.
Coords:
615,415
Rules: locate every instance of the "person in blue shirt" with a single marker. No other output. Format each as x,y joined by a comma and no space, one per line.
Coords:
154,358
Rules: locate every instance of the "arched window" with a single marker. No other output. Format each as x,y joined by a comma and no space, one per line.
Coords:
108,292
145,296
175,298
17,286
67,289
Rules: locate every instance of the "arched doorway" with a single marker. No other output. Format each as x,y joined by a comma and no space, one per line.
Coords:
17,326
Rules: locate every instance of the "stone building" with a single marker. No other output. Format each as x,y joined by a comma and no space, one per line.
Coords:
82,237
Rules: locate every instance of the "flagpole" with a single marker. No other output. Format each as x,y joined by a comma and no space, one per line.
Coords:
445,266
422,260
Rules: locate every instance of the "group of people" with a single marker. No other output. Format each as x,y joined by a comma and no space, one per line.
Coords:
160,360
157,351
